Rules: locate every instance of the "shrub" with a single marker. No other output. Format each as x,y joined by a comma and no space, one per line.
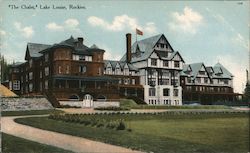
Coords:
121,125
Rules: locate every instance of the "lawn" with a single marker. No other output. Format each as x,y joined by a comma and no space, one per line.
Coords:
12,144
163,132
29,112
128,103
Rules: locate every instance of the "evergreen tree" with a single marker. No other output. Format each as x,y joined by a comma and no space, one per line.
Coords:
5,67
247,92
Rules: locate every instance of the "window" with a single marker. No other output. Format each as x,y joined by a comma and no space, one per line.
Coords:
99,71
117,70
26,77
152,81
30,75
189,80
151,92
41,74
67,69
46,58
166,92
202,72
108,70
225,81
120,81
21,79
154,62
165,63
205,80
16,85
176,92
176,64
198,80
162,45
126,71
46,71
15,70
30,62
126,81
133,81
46,84
41,86
59,69
88,58
82,68
81,58
165,73
30,87
165,82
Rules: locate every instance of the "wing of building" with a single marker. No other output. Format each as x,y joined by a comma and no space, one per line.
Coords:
159,67
207,84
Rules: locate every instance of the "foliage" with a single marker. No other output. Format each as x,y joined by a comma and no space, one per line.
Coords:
91,120
5,68
12,144
246,96
112,108
29,112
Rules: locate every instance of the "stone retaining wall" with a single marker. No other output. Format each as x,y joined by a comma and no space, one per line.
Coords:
19,104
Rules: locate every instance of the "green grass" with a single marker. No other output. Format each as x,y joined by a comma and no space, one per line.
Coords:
12,144
129,103
29,112
164,132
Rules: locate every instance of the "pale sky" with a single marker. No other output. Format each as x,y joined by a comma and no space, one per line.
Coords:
202,31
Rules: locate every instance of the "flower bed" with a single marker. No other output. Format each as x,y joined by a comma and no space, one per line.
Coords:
89,120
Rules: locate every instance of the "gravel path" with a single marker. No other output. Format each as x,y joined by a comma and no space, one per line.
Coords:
68,142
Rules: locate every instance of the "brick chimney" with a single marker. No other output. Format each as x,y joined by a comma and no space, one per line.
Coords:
128,42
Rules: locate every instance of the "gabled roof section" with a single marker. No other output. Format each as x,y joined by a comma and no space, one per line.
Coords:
195,68
120,63
218,68
146,47
33,49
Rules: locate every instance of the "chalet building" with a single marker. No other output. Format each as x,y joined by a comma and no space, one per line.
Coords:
150,71
159,68
207,84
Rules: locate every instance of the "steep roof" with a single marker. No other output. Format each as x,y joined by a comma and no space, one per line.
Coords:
146,47
225,73
121,63
33,50
218,71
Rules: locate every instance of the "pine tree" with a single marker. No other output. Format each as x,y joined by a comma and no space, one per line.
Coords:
247,92
5,67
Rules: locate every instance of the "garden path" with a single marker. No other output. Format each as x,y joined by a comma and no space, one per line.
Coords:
67,142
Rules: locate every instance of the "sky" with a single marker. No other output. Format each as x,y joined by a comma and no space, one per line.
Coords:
202,31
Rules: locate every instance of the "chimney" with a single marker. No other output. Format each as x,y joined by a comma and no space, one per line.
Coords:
80,40
128,42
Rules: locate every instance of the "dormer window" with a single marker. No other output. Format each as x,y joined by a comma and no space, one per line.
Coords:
176,64
154,62
165,63
202,72
117,70
46,58
126,71
162,45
